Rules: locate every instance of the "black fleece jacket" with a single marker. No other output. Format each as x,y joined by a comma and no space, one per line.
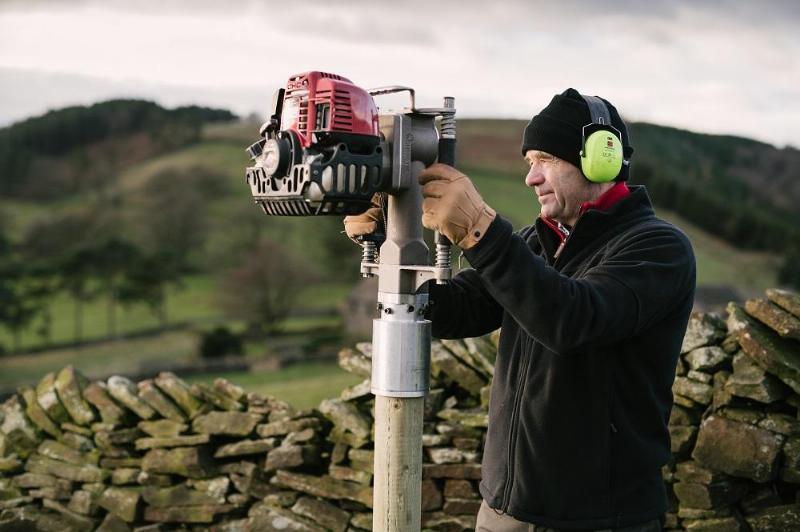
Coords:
581,393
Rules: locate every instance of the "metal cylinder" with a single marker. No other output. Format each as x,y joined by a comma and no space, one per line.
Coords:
401,346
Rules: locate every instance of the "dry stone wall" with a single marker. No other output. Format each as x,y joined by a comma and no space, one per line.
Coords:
161,454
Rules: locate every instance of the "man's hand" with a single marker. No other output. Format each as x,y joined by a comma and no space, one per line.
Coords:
365,223
452,206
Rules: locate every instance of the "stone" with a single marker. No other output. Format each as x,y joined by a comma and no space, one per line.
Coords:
179,495
192,462
163,428
40,480
461,506
122,502
212,396
786,299
777,355
357,391
702,330
48,399
304,436
709,359
78,473
177,441
471,358
113,463
125,475
36,413
179,392
431,495
686,402
696,391
96,394
699,376
273,519
460,489
350,474
59,451
112,523
323,513
73,520
436,440
325,487
216,488
288,456
117,437
355,362
281,428
776,519
749,380
790,470
483,347
160,402
738,449
72,427
717,524
10,464
127,393
226,387
19,435
445,455
444,362
745,415
476,417
347,417
759,498
682,439
780,423
186,514
683,416
283,499
83,503
452,471
774,317
693,472
245,447
69,386
228,423
708,496
153,479
442,521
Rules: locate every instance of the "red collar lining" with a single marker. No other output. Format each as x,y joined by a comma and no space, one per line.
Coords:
606,200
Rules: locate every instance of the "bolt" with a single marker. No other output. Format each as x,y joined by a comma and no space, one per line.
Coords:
387,310
411,308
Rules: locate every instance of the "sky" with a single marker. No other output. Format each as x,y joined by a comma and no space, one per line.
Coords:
722,67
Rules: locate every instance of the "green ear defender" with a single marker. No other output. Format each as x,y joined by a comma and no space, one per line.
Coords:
601,146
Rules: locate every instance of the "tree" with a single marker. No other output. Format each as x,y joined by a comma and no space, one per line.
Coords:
264,288
75,278
146,281
111,263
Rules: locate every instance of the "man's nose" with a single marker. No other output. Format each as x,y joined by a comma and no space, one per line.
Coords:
534,177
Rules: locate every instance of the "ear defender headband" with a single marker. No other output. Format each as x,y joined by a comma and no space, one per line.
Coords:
601,145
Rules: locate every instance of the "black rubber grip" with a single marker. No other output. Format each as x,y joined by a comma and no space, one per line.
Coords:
447,151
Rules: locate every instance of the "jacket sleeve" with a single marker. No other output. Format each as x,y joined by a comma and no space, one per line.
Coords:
463,307
634,286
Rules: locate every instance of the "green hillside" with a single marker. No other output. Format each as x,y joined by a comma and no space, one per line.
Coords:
193,198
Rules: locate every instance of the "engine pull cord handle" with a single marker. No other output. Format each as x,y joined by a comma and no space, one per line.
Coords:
447,155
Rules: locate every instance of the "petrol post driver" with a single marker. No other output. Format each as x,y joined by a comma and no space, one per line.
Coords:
326,150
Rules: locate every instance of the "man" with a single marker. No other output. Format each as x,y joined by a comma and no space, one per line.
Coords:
593,302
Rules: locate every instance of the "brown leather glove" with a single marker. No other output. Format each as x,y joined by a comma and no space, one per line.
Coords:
365,223
453,206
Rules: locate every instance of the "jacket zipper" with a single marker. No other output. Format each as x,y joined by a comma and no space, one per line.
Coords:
512,437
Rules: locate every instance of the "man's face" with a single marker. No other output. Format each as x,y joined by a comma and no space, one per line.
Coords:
560,186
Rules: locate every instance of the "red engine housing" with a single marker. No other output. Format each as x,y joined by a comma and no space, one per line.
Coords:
319,101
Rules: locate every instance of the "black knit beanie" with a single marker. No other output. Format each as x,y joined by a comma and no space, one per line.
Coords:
557,129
